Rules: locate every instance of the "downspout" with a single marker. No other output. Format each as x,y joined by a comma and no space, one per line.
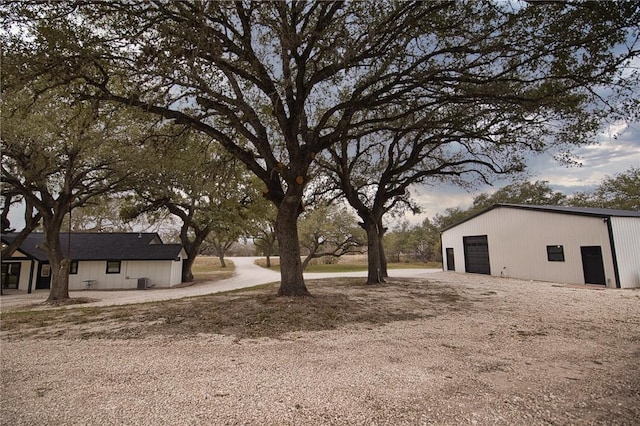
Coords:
69,252
442,253
616,272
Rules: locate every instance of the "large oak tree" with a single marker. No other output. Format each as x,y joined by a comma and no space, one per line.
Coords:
59,155
185,173
491,102
277,83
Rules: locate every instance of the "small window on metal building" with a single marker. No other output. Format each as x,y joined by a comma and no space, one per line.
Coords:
555,253
73,267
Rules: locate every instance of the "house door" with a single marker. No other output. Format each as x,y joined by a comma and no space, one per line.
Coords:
451,262
592,265
10,275
476,254
44,276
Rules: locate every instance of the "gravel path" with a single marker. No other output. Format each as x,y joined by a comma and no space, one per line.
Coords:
512,352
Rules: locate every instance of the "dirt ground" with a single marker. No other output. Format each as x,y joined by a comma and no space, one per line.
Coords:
450,349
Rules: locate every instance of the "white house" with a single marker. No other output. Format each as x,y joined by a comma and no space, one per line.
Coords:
548,243
102,261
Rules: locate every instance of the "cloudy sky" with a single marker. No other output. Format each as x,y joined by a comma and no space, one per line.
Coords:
618,149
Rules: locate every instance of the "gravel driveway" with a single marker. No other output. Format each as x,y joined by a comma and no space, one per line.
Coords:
511,352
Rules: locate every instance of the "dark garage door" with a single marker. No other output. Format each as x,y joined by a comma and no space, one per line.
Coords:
476,254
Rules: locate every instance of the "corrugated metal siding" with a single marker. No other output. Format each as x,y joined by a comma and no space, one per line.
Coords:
626,235
518,241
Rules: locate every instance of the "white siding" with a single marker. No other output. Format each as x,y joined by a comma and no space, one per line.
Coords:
626,235
176,269
25,266
25,271
159,272
518,241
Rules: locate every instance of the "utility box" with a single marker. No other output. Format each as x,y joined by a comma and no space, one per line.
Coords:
143,283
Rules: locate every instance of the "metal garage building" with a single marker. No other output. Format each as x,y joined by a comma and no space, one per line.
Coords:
548,243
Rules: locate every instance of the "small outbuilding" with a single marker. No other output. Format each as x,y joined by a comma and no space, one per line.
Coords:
547,243
102,261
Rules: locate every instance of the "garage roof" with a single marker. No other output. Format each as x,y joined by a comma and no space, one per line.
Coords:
580,211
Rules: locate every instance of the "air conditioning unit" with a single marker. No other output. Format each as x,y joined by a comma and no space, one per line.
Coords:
143,283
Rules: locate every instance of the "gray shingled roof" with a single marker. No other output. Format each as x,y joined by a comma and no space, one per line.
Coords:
580,211
104,246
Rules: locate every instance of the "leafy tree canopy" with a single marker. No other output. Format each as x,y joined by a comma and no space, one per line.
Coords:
69,154
208,191
276,83
621,191
329,230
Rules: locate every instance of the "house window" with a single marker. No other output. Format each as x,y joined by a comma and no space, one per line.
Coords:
555,253
73,267
45,271
113,267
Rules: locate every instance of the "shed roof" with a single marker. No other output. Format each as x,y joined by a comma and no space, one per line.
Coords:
579,211
103,246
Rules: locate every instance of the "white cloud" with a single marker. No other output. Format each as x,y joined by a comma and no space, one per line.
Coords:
434,199
617,150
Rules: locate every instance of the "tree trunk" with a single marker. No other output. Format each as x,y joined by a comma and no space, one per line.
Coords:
222,263
59,264
374,264
291,279
59,280
192,248
187,265
305,262
312,255
383,258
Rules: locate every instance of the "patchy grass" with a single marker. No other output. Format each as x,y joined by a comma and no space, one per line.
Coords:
248,313
350,266
208,268
73,301
415,265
